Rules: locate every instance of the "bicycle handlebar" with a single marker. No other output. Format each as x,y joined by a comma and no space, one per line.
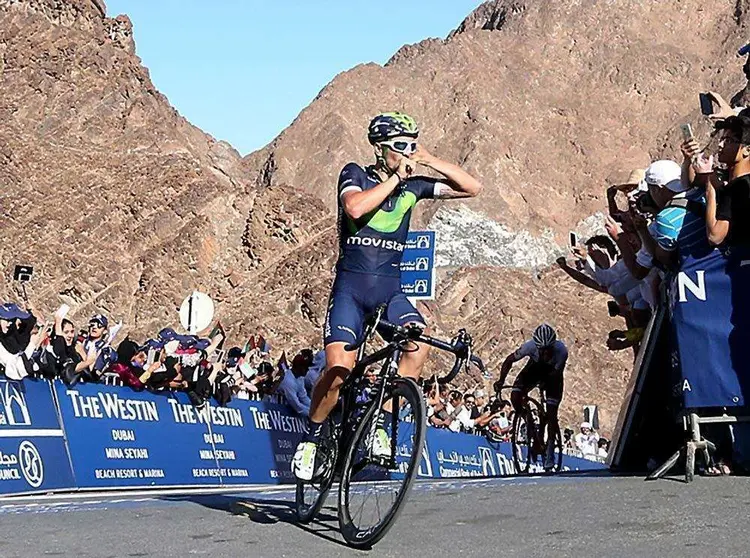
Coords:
460,346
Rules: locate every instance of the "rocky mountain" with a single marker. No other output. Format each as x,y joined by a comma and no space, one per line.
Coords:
123,206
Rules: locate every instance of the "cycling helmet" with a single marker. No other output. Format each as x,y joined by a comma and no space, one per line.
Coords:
391,124
544,336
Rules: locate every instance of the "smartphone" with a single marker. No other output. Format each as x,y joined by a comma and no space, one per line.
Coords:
216,356
23,273
573,239
687,132
62,311
707,106
613,308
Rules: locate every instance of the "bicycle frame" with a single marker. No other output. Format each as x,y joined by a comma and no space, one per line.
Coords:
390,356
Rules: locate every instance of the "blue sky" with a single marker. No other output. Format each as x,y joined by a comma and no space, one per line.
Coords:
243,70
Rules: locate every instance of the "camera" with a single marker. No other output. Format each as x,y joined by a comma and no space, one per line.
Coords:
496,405
644,203
23,273
568,434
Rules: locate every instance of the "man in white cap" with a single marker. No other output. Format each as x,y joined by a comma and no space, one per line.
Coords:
586,440
679,227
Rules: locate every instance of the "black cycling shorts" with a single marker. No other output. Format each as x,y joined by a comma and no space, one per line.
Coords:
355,295
543,375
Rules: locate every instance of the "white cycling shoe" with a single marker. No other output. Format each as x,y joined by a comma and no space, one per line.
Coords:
303,464
380,444
549,461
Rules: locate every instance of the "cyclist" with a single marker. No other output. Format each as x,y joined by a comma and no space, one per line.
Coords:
375,205
547,356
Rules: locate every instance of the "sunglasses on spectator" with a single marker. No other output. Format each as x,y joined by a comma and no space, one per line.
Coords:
403,147
95,325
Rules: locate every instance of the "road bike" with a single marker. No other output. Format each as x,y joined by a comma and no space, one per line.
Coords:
373,487
529,436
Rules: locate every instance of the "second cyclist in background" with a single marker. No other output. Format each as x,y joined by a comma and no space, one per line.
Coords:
547,357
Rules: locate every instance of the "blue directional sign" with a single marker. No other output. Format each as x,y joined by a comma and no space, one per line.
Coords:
418,266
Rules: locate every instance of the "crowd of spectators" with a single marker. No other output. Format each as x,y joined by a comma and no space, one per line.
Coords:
670,217
198,366
662,215
470,411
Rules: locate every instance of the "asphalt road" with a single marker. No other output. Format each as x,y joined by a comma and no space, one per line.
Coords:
592,516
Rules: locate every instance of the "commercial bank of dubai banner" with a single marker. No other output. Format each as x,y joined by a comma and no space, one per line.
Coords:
96,436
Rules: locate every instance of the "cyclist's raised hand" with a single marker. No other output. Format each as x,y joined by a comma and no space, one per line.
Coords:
497,386
405,168
421,155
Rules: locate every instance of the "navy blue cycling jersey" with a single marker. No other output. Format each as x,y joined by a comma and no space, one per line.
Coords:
374,244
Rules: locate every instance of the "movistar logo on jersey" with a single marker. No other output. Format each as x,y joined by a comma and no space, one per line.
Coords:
376,243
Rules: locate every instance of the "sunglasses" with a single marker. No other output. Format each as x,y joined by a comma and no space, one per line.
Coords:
403,147
96,326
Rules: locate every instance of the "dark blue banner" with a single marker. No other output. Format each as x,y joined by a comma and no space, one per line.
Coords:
119,437
709,314
33,457
261,450
455,455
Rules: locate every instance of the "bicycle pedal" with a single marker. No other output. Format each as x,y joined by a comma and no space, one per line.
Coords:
386,462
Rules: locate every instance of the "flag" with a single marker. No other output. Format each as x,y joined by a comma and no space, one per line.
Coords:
215,332
250,345
263,345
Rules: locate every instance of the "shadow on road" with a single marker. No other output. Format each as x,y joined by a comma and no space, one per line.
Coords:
268,512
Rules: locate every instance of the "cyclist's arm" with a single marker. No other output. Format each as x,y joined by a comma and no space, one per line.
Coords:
511,359
582,278
459,183
561,360
357,203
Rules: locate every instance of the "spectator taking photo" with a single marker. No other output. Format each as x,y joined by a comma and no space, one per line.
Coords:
728,206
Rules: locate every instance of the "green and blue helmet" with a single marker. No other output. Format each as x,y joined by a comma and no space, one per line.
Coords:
390,125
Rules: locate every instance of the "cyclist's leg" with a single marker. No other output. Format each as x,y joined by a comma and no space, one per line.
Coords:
528,378
525,381
325,395
402,312
343,325
553,392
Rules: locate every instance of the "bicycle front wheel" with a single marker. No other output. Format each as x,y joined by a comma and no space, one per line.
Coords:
522,438
381,464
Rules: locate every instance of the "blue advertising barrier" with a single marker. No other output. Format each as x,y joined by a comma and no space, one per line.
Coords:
709,313
450,455
119,438
418,265
33,457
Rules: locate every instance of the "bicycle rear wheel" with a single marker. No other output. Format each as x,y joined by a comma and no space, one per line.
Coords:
311,495
373,489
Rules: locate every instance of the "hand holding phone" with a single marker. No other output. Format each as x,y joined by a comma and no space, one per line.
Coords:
573,239
707,105
687,132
